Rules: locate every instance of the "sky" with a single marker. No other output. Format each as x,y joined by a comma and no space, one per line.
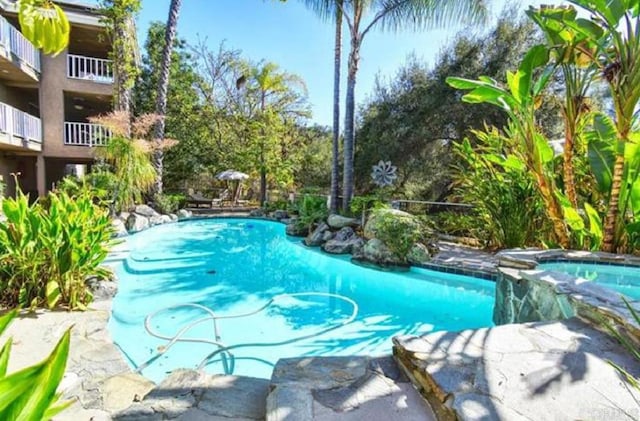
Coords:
299,42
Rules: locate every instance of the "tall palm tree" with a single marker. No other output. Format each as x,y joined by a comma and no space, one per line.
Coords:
332,9
163,86
390,15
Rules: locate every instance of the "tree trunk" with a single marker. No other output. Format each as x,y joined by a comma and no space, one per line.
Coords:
335,153
349,126
163,86
568,173
263,186
124,60
611,219
554,210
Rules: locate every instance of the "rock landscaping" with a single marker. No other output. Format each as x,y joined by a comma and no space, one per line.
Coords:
375,244
143,217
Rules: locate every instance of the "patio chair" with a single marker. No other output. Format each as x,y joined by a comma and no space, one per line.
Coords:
220,200
197,199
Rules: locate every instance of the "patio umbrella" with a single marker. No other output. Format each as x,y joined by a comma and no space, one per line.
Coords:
236,177
232,175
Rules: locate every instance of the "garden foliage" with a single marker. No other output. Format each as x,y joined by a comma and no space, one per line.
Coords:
507,206
49,248
311,210
605,45
397,230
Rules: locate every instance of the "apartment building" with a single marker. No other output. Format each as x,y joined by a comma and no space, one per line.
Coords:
45,101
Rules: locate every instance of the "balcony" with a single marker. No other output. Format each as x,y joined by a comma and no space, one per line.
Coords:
16,46
89,68
85,134
22,129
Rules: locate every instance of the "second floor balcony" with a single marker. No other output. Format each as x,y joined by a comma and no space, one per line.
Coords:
22,128
98,70
85,134
18,47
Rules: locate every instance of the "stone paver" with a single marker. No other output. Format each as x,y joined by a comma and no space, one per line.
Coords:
343,388
188,394
536,371
92,356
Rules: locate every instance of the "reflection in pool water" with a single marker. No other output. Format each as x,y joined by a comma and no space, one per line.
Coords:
622,279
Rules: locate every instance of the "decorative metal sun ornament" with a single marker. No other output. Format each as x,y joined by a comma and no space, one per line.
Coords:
384,174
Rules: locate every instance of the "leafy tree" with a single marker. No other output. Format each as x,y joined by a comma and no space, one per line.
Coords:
393,15
316,158
276,99
415,117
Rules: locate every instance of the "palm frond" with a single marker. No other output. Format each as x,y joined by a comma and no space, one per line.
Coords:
325,9
393,15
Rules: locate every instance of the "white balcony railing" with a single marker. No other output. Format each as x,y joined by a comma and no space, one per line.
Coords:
85,134
89,68
14,42
20,124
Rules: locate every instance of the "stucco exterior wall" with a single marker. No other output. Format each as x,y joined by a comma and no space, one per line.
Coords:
53,84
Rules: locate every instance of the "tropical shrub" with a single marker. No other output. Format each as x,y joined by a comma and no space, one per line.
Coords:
528,148
30,394
506,202
128,153
311,210
456,224
274,205
48,250
98,184
361,204
397,230
168,203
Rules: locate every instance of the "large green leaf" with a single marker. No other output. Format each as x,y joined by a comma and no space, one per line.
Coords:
571,215
544,149
595,226
601,151
4,357
6,319
536,57
43,382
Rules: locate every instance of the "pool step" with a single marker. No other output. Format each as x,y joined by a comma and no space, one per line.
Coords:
343,388
533,371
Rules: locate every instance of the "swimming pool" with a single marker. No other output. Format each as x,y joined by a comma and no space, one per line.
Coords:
622,279
235,266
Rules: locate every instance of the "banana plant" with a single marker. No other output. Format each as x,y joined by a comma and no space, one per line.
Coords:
45,24
30,394
519,100
613,48
602,158
565,45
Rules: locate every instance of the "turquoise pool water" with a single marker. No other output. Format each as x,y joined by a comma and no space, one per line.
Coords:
622,279
236,266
